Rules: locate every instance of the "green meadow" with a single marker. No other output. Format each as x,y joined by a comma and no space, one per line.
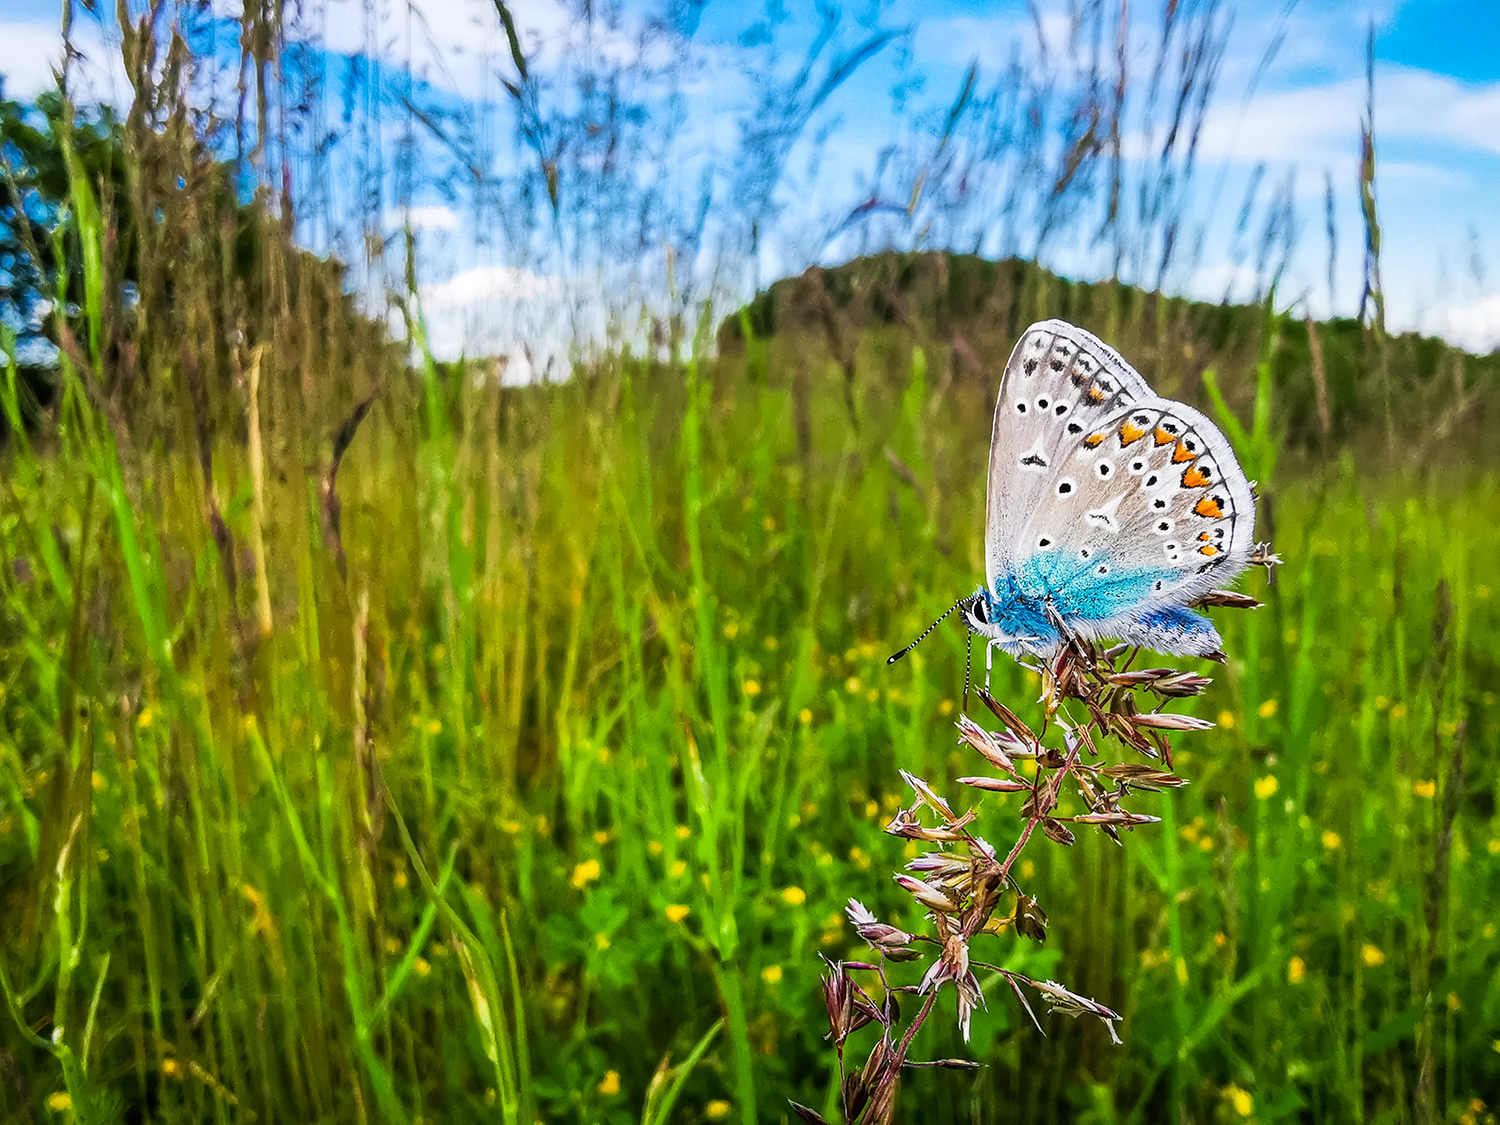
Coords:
536,789
382,742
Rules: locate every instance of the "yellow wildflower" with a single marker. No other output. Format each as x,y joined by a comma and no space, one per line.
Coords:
1424,788
1242,1100
771,974
752,688
1266,786
677,912
1296,969
585,873
1372,955
1331,840
611,1083
716,1110
794,896
59,1101
1266,709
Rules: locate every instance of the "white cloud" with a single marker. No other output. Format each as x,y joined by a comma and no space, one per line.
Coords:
1317,125
34,50
431,217
487,283
1475,327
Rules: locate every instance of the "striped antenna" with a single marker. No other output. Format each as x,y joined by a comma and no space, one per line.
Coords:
961,602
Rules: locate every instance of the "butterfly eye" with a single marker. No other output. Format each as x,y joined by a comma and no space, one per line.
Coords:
981,611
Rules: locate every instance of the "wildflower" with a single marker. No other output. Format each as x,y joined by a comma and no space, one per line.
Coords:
1454,1003
654,847
601,942
677,912
851,685
171,1068
422,965
794,896
97,781
585,873
751,688
804,716
1242,1100
771,974
678,869
601,836
1266,709
434,726
1296,969
945,707
144,720
731,630
1398,711
59,1102
611,1084
1331,840
1372,955
1265,786
718,1108
392,944
1424,788
872,809
683,831
1226,720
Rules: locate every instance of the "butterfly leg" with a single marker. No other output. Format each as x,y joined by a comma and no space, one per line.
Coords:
989,662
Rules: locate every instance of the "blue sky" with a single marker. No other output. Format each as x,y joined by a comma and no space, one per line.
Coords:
1437,117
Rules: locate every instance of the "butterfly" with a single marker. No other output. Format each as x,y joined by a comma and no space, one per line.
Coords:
1109,511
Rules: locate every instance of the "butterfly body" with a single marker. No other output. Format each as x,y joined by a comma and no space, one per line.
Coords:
1109,510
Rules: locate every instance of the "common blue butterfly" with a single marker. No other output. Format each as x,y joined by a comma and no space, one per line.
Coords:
1110,511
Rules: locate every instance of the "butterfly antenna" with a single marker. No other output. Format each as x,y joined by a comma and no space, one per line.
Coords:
929,629
968,664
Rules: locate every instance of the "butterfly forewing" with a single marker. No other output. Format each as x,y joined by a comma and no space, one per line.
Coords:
1058,386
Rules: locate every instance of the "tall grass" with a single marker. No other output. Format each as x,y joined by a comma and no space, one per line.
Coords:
580,750
382,742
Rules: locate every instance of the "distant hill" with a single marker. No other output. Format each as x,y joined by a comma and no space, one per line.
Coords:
967,312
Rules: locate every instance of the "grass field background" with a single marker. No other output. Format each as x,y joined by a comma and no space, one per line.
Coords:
382,743
581,757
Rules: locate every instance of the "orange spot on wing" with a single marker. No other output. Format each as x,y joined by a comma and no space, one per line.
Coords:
1162,437
1130,433
1096,394
1181,453
1209,508
1093,440
1210,550
1193,478
1204,537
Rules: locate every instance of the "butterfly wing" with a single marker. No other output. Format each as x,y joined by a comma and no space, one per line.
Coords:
1138,507
1059,383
